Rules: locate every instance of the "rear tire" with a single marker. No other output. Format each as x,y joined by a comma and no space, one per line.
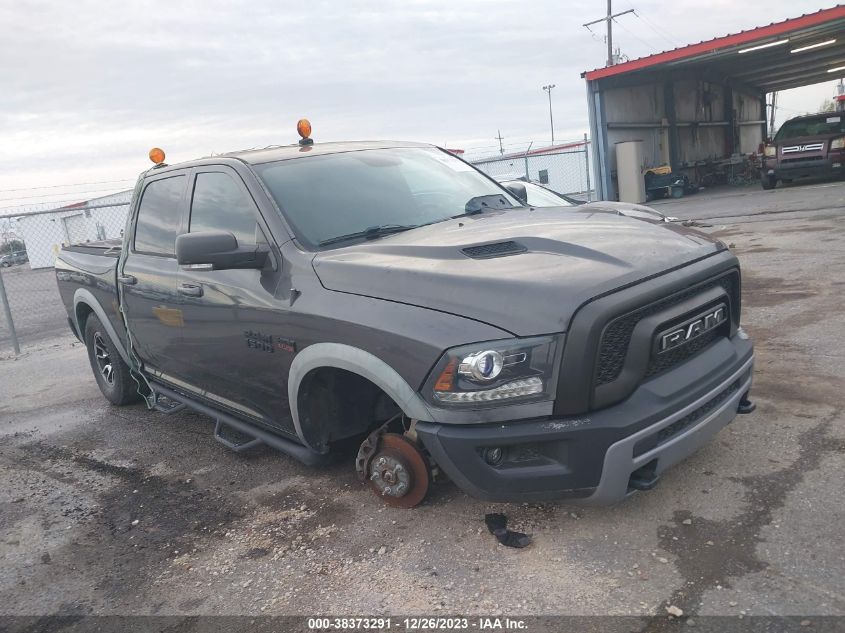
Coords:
111,373
768,182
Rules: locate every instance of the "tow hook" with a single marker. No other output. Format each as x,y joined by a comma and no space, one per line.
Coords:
746,406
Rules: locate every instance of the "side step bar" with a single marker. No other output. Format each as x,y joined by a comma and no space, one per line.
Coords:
233,446
297,451
168,405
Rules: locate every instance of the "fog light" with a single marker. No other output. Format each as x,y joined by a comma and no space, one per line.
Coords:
493,456
837,164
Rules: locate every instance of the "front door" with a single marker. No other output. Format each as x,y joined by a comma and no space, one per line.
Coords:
233,340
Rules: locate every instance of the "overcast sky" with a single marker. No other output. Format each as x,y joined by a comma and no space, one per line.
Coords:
86,88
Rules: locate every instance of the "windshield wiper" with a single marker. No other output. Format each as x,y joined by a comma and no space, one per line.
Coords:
482,203
370,233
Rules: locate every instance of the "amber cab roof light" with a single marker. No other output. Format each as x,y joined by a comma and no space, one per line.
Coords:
157,156
303,126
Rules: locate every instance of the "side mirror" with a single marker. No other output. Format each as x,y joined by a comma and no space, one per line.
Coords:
518,190
219,249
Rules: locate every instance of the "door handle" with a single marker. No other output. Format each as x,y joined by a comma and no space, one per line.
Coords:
190,290
127,280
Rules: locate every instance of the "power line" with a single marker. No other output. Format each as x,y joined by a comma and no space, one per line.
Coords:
658,30
78,184
50,195
648,46
47,204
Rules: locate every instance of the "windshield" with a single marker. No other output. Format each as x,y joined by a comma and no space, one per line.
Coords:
817,126
354,193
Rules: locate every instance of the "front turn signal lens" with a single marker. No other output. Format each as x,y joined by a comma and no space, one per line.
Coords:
446,380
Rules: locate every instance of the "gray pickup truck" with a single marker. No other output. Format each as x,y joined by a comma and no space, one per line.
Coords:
390,299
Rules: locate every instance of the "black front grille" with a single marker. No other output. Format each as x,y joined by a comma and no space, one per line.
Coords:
656,439
499,249
801,160
613,348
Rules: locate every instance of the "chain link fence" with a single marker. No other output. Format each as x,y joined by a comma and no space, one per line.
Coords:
32,311
563,167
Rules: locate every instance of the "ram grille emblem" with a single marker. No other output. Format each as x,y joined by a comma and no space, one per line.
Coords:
692,329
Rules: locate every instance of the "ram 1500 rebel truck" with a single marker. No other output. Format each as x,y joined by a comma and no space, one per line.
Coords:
389,297
810,146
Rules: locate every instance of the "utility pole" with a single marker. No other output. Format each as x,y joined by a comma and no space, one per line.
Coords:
608,19
551,119
772,113
501,147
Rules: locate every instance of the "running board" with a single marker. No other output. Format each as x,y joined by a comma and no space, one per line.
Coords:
233,446
167,405
295,450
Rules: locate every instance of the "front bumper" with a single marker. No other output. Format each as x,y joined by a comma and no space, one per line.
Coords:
603,456
830,167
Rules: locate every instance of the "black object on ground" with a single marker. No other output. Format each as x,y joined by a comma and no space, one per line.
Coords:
498,526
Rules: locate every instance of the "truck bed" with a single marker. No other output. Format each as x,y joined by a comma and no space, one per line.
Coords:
90,268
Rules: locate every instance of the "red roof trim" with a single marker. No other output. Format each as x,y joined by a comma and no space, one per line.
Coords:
711,46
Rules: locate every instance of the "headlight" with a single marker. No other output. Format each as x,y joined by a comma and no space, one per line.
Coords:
770,151
838,143
486,374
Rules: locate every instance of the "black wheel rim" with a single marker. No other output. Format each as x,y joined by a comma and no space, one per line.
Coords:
101,355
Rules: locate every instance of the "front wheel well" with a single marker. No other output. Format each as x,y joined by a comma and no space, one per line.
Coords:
336,404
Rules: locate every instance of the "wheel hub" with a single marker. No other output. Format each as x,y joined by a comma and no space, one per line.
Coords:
398,472
391,476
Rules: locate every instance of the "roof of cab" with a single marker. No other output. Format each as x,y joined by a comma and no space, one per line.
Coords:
284,152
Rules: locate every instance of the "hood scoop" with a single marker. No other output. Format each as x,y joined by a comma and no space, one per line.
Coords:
497,249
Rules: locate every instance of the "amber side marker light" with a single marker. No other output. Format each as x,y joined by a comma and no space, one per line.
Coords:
303,127
157,155
446,380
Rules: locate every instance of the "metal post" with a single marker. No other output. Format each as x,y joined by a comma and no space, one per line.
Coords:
551,119
8,311
609,32
527,177
587,165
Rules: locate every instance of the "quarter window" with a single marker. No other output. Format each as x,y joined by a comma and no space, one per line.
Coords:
159,216
219,204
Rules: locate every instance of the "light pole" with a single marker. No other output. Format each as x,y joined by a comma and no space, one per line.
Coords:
551,119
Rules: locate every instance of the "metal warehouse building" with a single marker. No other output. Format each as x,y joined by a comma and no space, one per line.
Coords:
706,102
44,232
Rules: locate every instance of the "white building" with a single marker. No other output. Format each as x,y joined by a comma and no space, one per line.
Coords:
45,232
563,168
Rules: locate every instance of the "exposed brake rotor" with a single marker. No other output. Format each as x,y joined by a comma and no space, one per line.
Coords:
398,472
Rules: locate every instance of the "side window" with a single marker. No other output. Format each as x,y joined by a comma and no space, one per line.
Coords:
159,216
219,204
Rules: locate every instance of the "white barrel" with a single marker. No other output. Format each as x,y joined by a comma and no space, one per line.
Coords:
629,171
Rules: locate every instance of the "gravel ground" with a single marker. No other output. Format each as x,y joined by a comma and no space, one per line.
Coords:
123,511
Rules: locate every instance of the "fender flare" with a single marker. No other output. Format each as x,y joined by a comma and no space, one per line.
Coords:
358,362
82,295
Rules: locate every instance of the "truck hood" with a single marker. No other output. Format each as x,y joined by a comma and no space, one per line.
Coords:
536,267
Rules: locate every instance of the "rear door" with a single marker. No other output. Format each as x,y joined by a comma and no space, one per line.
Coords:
234,346
150,301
